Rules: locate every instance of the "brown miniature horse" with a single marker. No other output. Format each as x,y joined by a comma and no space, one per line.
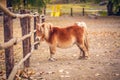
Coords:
64,37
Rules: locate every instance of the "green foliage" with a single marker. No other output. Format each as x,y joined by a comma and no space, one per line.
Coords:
97,1
103,13
16,3
116,5
29,3
36,3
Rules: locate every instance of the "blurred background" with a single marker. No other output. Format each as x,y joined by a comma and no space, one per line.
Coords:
66,7
102,18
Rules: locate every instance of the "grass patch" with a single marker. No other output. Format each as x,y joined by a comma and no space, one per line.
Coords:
77,8
103,13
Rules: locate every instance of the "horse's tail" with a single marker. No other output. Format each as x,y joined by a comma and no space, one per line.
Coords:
86,43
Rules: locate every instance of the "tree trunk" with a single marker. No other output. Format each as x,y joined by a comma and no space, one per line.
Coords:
118,13
110,8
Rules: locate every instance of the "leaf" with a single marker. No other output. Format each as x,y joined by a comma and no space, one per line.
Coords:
24,75
61,70
97,74
116,74
1,73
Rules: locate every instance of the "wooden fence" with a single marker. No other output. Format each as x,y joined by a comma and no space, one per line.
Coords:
80,11
28,47
83,11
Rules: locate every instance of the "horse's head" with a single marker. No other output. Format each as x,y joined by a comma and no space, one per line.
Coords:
43,30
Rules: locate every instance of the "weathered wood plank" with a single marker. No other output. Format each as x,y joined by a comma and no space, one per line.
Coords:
25,25
36,20
14,41
8,34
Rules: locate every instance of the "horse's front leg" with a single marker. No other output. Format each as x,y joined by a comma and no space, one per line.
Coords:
52,53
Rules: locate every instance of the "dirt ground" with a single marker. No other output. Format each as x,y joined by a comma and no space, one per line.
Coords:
104,62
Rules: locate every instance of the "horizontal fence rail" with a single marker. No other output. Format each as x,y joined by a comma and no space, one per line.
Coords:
14,41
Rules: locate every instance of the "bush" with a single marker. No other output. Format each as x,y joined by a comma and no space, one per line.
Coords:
103,13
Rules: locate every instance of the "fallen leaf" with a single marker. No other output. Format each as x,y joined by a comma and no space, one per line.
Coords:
50,72
24,75
116,74
1,73
97,74
67,76
61,70
66,72
97,55
42,72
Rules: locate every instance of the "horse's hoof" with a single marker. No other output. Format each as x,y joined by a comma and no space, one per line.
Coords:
52,59
81,57
84,57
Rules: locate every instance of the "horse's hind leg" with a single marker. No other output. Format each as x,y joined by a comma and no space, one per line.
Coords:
84,51
52,53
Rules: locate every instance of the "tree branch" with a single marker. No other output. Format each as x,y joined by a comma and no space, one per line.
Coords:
6,11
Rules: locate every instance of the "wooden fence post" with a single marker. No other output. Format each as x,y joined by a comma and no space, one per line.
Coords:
25,24
8,34
71,11
83,11
36,20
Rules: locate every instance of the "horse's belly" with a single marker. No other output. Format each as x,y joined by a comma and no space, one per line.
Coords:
66,44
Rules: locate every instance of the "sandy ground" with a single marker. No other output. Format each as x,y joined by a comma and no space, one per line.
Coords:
104,62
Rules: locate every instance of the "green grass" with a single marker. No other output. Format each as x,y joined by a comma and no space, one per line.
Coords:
77,8
103,13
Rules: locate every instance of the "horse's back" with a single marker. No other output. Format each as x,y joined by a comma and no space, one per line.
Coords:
66,37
